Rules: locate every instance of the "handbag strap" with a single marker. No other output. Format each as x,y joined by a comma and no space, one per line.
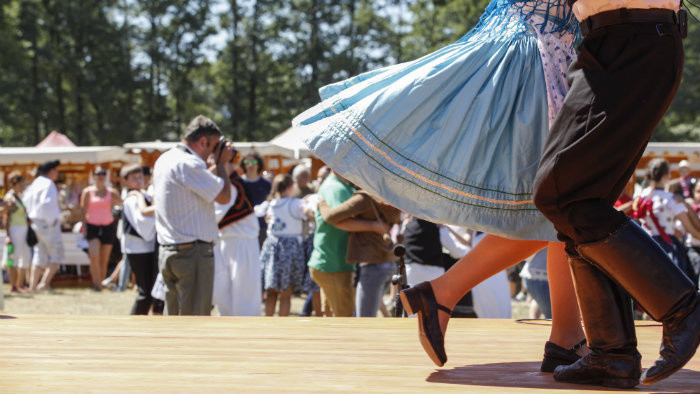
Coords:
26,214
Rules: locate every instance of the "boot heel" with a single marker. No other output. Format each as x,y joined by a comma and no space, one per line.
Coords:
620,383
411,301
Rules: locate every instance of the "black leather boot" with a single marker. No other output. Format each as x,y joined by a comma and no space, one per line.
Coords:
607,316
634,260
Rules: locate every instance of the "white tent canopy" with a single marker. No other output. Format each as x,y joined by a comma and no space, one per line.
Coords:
76,154
292,139
263,148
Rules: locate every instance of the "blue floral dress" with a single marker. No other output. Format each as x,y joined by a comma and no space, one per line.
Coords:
282,256
456,136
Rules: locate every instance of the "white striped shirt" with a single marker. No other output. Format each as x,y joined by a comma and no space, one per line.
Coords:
184,197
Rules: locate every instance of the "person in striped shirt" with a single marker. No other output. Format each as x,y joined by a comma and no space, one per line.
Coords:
185,191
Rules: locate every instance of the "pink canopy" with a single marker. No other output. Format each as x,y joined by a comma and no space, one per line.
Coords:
55,139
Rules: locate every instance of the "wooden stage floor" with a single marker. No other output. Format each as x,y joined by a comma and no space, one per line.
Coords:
122,354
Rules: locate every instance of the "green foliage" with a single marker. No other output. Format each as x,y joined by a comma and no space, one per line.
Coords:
114,71
682,121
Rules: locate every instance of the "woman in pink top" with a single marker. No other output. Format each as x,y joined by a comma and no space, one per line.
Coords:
99,228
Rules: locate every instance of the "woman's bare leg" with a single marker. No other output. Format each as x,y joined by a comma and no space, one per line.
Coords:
285,302
270,302
114,277
105,252
490,256
95,268
34,277
13,278
566,318
23,277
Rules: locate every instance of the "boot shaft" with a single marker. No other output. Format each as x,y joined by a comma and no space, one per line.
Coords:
633,260
606,309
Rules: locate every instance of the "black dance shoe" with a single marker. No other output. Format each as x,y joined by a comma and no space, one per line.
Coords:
555,355
420,300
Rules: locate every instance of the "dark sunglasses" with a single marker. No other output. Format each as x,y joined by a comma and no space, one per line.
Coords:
254,161
101,173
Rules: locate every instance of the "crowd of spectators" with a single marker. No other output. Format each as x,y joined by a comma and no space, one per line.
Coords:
208,231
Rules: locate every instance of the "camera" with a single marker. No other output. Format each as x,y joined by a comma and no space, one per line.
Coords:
221,144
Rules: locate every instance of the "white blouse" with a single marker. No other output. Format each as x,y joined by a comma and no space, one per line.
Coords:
665,208
285,216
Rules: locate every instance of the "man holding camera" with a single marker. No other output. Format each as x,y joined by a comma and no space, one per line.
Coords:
185,191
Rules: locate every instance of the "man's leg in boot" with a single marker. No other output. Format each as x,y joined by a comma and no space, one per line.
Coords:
603,126
607,315
667,295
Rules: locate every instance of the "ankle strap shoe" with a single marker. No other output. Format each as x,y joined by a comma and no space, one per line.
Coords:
420,300
555,355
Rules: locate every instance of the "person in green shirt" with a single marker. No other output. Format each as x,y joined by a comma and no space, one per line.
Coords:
328,264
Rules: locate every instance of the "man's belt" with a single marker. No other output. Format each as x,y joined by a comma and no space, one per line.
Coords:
185,245
626,15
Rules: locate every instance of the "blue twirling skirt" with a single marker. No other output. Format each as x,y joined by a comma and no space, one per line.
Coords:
453,137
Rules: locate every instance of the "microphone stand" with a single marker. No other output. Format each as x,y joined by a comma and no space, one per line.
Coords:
399,279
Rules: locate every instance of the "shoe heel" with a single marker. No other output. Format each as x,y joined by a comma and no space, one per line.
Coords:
411,301
549,364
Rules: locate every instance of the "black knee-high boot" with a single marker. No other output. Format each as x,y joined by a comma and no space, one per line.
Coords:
609,325
634,260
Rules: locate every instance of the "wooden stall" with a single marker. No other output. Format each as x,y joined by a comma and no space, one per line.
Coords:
75,169
76,166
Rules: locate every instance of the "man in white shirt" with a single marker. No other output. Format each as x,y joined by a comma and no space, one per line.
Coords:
41,200
628,69
185,191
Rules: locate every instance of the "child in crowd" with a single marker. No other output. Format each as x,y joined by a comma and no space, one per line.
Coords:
139,240
282,255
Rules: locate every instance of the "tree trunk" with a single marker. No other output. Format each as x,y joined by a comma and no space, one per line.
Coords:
129,105
353,66
151,118
234,106
79,129
36,102
99,118
253,72
315,51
